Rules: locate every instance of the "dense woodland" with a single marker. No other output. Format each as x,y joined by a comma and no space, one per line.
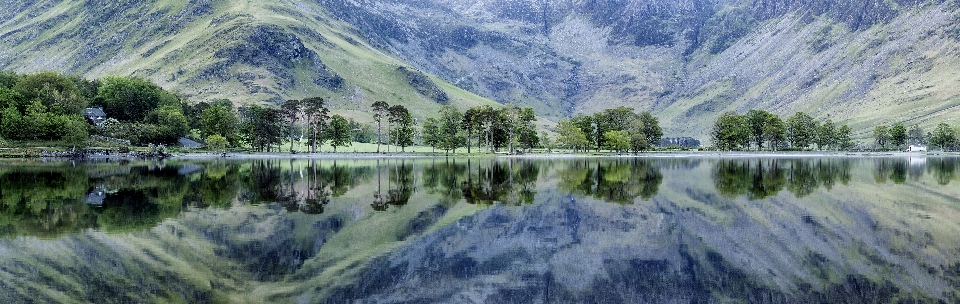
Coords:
48,106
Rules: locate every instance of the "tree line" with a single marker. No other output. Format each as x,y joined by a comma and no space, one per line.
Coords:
898,136
268,128
760,130
484,127
618,129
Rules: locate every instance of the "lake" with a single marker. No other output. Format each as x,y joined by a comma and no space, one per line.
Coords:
486,230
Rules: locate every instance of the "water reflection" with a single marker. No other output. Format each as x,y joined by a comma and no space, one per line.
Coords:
618,181
526,230
758,179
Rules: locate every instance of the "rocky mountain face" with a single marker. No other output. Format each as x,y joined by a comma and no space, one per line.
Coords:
857,62
861,63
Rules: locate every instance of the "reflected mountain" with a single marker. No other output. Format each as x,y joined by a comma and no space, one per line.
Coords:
498,230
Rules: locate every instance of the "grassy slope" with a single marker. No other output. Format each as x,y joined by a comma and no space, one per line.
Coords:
174,53
903,71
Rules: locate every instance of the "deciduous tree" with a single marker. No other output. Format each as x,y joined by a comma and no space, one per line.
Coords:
881,135
844,142
571,136
219,120
450,137
731,131
618,141
898,136
943,136
338,132
800,130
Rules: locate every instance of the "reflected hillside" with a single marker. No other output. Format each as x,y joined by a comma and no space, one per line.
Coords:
612,230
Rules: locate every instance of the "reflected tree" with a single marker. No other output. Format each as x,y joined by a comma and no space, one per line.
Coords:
218,185
401,186
44,201
511,182
617,181
762,178
943,169
893,169
445,178
731,177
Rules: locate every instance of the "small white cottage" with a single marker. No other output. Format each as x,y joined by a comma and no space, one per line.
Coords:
917,148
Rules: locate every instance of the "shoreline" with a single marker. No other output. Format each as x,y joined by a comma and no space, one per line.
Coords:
373,155
422,155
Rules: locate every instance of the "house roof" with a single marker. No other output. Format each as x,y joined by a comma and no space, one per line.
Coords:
94,112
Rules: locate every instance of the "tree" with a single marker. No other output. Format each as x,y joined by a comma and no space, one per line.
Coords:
800,130
290,111
262,127
731,131
844,142
898,135
12,125
55,91
881,136
431,132
471,123
486,119
916,135
526,131
380,109
171,122
546,141
758,120
774,131
571,136
338,132
219,120
826,136
76,131
131,99
317,116
943,136
600,126
638,139
651,128
619,118
403,134
449,128
618,141
361,132
217,143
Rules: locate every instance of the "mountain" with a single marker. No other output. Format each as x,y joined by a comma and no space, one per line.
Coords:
861,63
249,52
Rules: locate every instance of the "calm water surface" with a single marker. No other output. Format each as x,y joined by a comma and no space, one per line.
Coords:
673,230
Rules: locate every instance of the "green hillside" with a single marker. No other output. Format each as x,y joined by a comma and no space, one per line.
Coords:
246,51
